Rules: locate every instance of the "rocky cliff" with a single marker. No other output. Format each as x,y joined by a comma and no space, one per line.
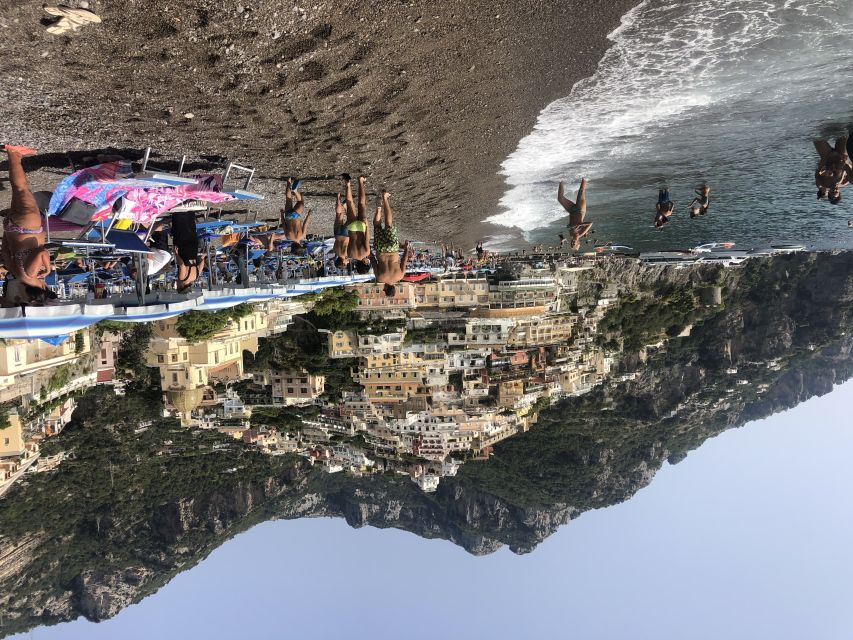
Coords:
127,511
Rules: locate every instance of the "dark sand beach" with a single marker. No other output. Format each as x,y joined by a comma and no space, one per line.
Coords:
425,98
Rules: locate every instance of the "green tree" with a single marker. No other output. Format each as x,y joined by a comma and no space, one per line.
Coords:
338,301
79,343
196,326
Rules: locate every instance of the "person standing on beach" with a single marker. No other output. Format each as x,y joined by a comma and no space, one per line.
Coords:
388,266
341,246
578,227
358,250
188,259
295,229
23,252
833,170
664,208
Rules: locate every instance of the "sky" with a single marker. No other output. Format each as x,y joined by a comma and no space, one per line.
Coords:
749,537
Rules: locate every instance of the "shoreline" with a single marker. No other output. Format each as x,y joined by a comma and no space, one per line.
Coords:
426,100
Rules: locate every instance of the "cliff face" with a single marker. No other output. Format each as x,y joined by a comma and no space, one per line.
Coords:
785,326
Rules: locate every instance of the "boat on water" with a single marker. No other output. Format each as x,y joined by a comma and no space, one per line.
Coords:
712,246
787,248
614,248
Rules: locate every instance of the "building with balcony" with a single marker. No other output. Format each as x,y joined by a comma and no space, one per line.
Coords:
296,387
373,301
28,365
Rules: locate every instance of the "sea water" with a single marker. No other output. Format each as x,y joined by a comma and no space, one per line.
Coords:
728,92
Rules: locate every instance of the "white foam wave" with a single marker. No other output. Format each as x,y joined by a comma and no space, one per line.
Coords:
669,62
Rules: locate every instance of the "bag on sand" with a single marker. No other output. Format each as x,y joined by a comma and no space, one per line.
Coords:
78,212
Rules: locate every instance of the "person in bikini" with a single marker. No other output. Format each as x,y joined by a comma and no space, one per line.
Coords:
358,250
833,170
23,252
186,246
701,203
341,245
578,227
295,228
388,266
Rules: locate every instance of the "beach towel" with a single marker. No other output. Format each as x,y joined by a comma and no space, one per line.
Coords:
143,202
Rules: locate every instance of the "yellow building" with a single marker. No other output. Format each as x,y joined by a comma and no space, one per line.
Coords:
343,344
536,331
12,438
188,367
392,384
26,364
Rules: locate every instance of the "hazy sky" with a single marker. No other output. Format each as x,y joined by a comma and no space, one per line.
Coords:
749,537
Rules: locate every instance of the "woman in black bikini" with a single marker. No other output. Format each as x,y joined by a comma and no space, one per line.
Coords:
185,239
23,250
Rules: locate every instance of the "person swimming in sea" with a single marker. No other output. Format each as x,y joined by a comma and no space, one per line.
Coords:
833,170
388,267
358,250
702,202
23,252
578,227
295,228
664,208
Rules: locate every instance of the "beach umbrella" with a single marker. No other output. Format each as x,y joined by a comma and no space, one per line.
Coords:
159,310
51,321
226,298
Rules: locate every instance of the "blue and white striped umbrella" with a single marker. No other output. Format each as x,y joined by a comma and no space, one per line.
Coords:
51,321
159,310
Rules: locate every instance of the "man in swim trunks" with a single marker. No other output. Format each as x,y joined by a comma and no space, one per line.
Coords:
578,228
664,208
358,250
388,266
23,251
295,228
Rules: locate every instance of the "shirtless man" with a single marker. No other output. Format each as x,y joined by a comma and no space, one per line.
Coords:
833,169
23,251
359,231
388,266
295,228
663,209
577,211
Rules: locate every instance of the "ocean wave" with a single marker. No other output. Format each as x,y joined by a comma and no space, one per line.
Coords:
704,64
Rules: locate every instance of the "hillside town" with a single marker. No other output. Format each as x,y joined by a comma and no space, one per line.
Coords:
470,361
419,383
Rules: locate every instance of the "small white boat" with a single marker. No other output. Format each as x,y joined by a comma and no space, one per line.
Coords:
787,248
712,246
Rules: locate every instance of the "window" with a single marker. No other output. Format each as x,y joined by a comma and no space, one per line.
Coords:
174,357
175,378
290,390
6,442
160,359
